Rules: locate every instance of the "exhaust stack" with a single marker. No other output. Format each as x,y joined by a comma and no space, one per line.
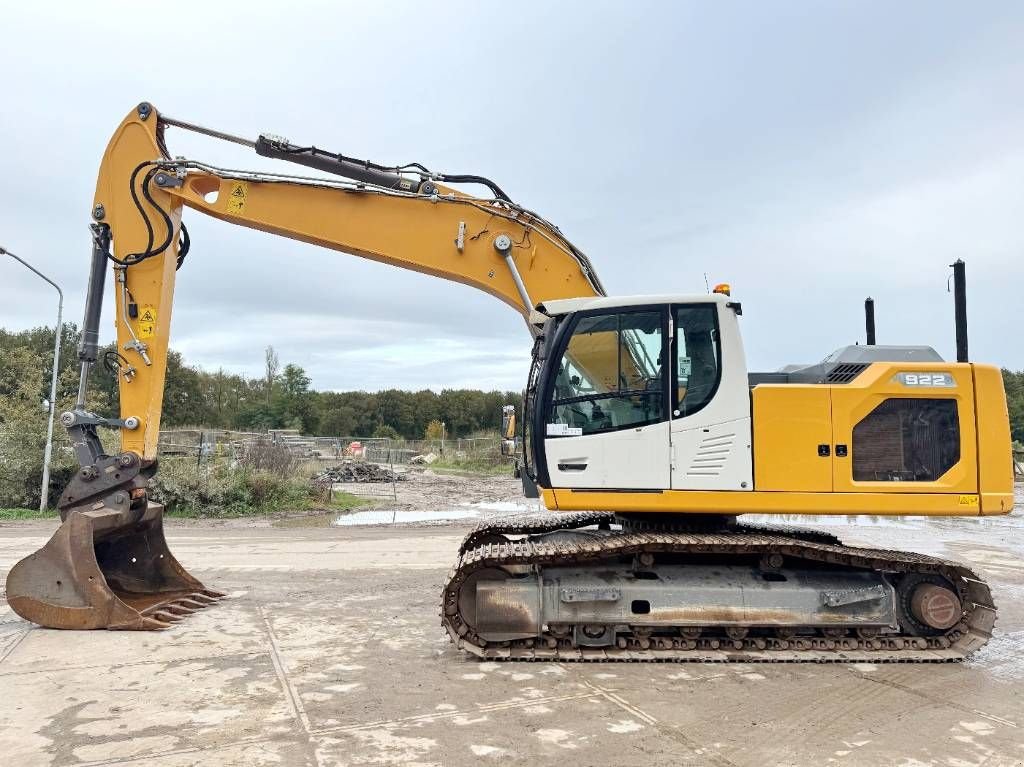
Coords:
869,320
960,308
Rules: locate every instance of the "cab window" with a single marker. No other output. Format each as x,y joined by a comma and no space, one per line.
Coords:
611,375
698,357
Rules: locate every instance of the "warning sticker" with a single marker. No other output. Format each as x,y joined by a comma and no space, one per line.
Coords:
968,500
147,321
237,196
564,430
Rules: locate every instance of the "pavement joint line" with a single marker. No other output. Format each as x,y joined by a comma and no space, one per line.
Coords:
621,703
937,701
483,709
177,752
294,701
14,646
247,653
671,732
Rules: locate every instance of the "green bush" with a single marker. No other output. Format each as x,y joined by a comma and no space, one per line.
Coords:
220,490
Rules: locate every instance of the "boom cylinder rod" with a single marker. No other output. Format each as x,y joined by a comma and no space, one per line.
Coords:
328,162
88,347
960,308
207,131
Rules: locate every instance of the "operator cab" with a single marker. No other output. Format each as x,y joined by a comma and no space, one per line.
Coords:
639,392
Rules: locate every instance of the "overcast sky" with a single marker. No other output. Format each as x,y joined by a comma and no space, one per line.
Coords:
811,154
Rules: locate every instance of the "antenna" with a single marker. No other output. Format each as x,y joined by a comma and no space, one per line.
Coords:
707,284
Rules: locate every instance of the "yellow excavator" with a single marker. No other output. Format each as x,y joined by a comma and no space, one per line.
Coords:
642,430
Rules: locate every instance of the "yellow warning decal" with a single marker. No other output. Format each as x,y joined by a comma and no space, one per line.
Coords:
237,196
968,500
147,321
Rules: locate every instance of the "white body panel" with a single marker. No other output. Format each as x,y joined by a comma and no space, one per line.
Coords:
711,449
635,459
713,457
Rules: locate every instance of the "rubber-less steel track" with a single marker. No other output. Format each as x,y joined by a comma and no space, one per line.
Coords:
486,547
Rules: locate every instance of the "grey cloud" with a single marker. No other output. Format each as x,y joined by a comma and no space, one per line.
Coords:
810,154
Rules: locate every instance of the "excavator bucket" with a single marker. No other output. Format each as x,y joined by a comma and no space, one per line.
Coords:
106,568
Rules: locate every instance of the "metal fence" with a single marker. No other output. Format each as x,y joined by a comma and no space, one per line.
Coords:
318,456
204,443
371,449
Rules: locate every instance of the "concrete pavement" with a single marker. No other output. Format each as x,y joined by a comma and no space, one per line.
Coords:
330,652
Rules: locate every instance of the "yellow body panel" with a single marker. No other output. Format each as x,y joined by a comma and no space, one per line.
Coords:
730,502
995,460
852,402
790,422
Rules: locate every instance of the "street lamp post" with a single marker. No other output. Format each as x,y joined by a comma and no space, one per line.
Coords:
44,491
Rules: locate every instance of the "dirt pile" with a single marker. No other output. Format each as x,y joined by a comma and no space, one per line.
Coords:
357,471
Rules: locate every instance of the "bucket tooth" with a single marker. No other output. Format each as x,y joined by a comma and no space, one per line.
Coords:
201,597
105,568
214,594
153,624
165,616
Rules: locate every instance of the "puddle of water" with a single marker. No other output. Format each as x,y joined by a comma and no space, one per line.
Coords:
481,508
401,517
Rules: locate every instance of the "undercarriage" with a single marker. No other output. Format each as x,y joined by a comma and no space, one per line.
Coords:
592,586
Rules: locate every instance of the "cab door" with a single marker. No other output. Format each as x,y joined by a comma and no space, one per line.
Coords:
606,423
905,428
710,427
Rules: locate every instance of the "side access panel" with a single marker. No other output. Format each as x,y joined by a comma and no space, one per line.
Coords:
907,428
792,438
712,457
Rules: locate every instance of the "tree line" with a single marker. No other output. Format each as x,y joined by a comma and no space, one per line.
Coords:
280,398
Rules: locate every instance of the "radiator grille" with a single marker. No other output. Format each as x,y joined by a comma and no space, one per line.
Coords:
711,455
845,372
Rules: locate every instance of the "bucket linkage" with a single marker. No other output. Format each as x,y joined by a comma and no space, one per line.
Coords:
108,565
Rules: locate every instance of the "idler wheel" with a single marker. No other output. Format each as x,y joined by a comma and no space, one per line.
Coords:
935,606
927,604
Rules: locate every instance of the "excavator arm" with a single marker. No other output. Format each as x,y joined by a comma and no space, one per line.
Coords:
404,217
